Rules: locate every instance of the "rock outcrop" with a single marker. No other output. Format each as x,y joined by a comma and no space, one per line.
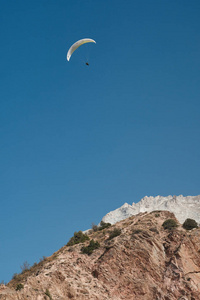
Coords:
182,207
141,262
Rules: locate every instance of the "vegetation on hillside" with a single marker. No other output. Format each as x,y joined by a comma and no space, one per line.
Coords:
90,248
190,224
102,226
169,224
115,232
79,237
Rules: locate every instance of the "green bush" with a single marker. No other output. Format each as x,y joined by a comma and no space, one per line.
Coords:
190,224
79,237
114,233
90,248
19,286
169,224
94,227
104,225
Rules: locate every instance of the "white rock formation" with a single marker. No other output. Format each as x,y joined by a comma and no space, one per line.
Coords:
182,207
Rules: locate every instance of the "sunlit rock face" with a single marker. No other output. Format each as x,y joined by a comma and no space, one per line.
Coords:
182,207
143,261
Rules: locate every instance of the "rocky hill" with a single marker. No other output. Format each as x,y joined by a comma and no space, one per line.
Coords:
182,207
134,259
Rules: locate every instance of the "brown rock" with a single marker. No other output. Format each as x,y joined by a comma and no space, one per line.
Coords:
143,262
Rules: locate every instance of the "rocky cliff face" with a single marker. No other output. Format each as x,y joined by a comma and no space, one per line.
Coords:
182,207
143,261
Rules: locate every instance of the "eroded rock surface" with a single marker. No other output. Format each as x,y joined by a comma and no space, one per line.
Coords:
144,262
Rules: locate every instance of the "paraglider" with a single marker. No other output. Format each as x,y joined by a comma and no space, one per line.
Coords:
77,45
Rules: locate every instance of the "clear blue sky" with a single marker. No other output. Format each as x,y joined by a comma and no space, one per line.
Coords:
77,142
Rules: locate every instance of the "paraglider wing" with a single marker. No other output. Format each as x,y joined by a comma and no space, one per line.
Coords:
76,45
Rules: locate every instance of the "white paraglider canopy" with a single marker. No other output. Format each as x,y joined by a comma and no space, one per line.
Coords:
76,45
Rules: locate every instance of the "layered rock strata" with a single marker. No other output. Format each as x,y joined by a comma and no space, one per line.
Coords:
143,261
